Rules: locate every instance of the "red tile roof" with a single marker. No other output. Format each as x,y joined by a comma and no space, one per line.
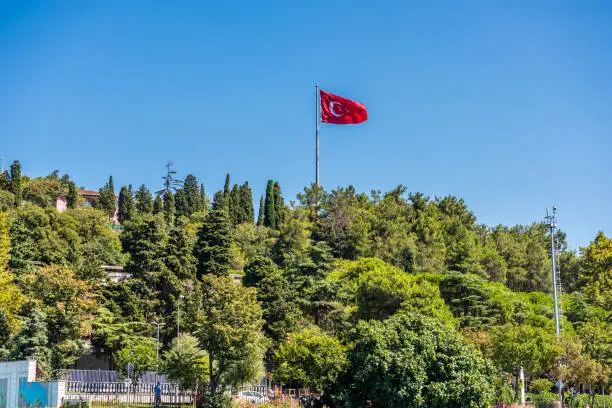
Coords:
89,193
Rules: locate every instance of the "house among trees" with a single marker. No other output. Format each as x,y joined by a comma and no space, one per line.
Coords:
86,198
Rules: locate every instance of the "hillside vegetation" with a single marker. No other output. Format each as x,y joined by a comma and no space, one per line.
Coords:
396,298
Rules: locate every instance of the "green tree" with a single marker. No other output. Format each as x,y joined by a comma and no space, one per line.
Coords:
412,361
144,240
169,207
192,195
158,205
5,330
279,205
178,252
310,358
597,261
5,181
203,199
229,326
10,295
140,355
186,363
516,346
72,197
68,304
213,246
269,208
16,187
275,295
181,206
143,200
247,203
169,180
125,204
260,214
31,341
107,198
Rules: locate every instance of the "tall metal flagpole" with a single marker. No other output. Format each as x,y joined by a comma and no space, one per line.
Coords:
317,127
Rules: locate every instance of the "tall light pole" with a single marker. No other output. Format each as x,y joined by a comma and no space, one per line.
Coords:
157,351
551,220
178,315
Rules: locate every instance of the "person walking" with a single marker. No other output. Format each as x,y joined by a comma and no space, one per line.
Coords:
157,391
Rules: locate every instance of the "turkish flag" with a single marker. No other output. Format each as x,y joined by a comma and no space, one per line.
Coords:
341,111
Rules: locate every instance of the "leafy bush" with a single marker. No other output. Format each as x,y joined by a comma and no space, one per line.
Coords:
217,400
541,385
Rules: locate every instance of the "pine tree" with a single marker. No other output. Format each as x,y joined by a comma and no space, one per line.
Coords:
179,256
144,200
158,204
269,210
125,210
214,244
180,203
260,216
16,188
169,207
72,196
279,205
31,342
192,195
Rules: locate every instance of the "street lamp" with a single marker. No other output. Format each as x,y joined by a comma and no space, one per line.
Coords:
157,351
178,315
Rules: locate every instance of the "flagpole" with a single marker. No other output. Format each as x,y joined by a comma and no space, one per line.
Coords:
317,127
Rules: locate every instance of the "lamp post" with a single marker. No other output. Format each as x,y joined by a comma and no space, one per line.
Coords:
157,351
178,315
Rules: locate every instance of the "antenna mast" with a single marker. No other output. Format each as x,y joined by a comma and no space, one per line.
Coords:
551,220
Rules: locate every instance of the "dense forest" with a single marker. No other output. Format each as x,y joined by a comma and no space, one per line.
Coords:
396,298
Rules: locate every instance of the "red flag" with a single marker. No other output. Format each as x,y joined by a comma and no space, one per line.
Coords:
341,111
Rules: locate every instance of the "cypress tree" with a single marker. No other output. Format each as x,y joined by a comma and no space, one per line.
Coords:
16,182
144,200
235,205
72,196
247,203
226,187
169,207
125,205
269,219
107,198
279,205
260,216
213,246
158,205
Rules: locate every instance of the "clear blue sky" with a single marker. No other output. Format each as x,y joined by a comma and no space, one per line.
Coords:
506,104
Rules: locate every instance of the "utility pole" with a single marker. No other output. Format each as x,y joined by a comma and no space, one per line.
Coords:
551,220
